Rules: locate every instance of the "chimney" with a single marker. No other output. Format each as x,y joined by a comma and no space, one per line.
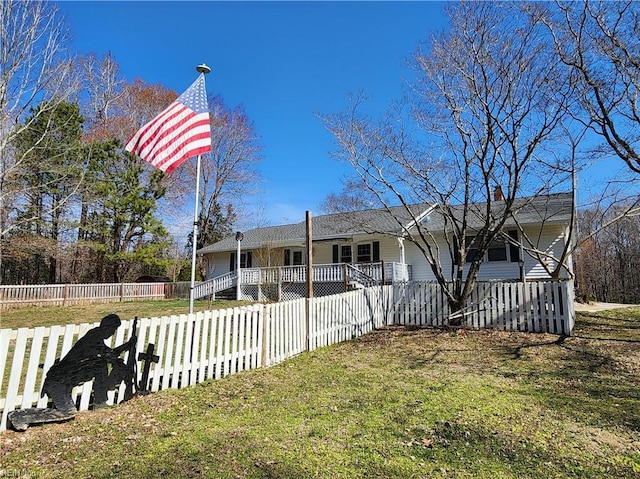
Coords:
497,193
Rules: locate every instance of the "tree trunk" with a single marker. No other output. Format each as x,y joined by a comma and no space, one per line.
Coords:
456,319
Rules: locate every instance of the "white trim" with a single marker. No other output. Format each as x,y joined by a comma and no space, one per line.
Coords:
419,218
401,248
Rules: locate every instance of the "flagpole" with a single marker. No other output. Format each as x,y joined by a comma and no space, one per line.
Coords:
195,237
202,69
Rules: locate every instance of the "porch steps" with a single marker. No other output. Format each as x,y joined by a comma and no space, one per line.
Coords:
215,285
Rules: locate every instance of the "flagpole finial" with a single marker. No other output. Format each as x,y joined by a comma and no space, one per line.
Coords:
202,68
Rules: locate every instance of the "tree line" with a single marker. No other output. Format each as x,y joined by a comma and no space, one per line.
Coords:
74,205
607,264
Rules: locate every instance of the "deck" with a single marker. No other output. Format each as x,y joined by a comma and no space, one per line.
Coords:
289,282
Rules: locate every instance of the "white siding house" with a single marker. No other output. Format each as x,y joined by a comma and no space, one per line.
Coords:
372,236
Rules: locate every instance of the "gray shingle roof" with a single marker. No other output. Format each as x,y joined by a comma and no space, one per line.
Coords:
554,208
548,209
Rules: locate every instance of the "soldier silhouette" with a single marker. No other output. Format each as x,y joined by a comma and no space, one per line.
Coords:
89,358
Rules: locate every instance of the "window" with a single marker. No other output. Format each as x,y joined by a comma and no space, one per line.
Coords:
293,257
497,250
345,254
472,250
341,253
364,253
368,252
245,260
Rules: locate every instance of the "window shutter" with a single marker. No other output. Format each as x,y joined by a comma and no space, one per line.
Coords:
336,257
456,251
249,259
287,257
376,251
514,250
232,262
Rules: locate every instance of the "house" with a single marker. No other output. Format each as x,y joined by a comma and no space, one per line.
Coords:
358,241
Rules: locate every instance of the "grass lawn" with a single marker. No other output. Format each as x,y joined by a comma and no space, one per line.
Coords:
30,317
392,404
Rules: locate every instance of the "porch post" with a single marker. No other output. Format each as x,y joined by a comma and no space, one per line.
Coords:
239,238
405,272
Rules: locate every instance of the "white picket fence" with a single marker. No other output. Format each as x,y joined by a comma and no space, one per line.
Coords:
193,348
544,306
68,294
214,344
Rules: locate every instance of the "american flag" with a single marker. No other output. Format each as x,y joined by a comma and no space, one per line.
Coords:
180,132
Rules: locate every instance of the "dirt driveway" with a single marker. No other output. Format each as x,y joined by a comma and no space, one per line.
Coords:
595,306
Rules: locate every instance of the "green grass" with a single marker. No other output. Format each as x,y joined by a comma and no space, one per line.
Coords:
29,317
392,404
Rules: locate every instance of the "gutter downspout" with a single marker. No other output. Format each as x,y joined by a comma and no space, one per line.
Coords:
405,276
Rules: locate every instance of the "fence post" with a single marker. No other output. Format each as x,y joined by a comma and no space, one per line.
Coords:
65,295
344,277
570,313
265,331
121,292
307,323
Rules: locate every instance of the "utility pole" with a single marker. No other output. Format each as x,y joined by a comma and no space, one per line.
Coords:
309,276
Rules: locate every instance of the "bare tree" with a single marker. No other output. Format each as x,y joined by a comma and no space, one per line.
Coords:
229,173
35,76
33,68
483,112
353,197
103,86
137,103
599,42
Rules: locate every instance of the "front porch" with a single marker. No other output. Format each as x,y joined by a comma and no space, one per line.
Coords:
290,282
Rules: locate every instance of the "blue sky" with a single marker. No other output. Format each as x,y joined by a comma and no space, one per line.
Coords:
283,61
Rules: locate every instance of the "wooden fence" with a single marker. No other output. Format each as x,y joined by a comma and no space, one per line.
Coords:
69,294
213,344
193,348
544,306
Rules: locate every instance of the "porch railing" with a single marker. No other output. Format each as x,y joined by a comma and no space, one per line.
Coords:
215,285
326,273
398,272
367,274
355,274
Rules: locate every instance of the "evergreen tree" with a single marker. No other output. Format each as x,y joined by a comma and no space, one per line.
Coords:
120,227
50,144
